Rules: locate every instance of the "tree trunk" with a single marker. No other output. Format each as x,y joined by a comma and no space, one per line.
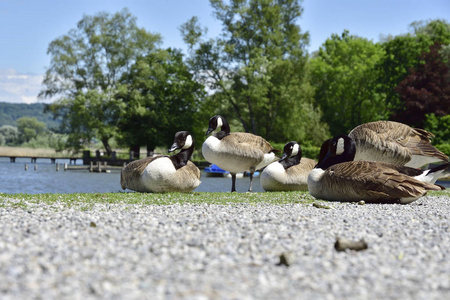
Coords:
150,151
108,148
135,150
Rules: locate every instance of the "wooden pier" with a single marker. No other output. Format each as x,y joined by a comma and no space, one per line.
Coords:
35,158
99,167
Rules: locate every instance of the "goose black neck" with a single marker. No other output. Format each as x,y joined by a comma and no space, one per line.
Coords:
181,159
291,161
224,130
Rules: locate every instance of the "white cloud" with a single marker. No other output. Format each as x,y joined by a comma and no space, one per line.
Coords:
19,88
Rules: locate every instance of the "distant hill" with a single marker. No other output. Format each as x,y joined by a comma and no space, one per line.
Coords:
10,112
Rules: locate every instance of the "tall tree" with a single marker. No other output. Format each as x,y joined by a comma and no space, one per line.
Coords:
256,70
344,79
9,134
30,128
160,99
425,90
402,54
86,66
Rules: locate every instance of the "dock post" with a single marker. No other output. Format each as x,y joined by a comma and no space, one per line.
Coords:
65,167
91,168
57,167
99,166
35,167
26,167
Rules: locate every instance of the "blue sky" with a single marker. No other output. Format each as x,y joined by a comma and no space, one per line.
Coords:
28,26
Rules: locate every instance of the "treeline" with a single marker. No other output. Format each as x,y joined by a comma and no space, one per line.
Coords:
115,82
11,112
30,132
28,125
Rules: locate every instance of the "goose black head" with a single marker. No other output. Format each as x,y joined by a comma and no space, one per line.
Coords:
218,122
183,140
340,149
292,154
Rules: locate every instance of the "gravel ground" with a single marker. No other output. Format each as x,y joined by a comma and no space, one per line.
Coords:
225,251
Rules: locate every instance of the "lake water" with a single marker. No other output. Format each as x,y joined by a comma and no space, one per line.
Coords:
45,179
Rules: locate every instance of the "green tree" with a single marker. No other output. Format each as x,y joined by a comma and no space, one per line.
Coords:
86,66
403,53
426,90
30,128
161,99
256,71
344,77
10,134
439,126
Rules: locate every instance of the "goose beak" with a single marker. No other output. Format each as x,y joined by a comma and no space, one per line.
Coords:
283,157
209,131
174,147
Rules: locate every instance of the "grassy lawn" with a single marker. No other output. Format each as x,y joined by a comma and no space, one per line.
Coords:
86,201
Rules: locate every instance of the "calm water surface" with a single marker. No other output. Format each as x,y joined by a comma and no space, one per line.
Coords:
14,179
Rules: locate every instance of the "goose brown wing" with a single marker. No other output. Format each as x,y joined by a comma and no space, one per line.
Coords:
381,135
418,141
376,181
191,168
250,140
303,168
397,138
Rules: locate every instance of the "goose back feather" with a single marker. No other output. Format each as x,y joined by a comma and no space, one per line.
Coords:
395,143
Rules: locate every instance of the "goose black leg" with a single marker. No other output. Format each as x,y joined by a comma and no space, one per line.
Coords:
250,188
233,182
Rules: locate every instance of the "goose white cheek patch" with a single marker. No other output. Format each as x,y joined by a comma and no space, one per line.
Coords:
219,123
295,150
188,142
340,146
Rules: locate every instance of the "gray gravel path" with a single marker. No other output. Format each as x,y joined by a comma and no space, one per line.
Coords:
225,252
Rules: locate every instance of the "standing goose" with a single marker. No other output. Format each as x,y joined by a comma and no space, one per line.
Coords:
338,178
236,152
395,143
290,173
163,173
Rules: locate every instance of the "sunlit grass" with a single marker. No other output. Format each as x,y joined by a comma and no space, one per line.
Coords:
86,201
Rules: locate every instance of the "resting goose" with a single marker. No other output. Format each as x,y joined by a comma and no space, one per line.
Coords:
290,173
395,143
163,173
338,178
236,152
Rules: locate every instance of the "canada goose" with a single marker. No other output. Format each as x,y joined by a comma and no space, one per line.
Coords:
290,173
338,178
236,152
163,173
395,143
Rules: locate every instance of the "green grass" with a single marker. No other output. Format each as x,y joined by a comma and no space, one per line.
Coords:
86,201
